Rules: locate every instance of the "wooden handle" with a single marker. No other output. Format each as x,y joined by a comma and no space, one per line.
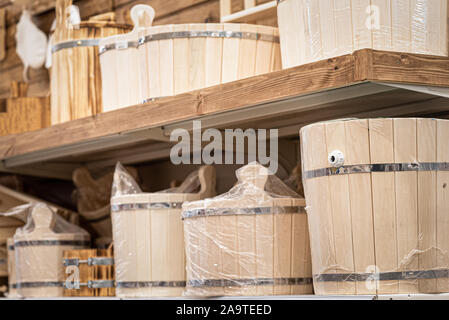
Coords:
255,174
44,219
107,17
142,16
19,89
208,181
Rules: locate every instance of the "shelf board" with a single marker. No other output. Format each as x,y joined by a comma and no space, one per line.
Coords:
263,11
367,83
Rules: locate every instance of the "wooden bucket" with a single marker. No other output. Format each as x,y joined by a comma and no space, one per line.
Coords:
149,240
96,272
248,242
39,269
316,30
22,113
378,199
175,59
75,72
12,282
93,199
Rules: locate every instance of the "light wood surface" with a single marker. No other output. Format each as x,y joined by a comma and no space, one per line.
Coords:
332,28
149,243
395,217
91,273
12,281
238,248
2,34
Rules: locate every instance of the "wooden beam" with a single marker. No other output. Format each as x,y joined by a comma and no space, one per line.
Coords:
252,14
2,34
315,77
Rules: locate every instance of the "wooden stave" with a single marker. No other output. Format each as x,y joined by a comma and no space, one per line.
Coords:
295,53
393,280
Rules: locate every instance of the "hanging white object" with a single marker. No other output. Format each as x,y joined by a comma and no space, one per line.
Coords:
31,44
48,60
75,17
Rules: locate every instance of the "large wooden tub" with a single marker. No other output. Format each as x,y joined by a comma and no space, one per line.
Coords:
251,241
316,30
149,240
39,250
378,201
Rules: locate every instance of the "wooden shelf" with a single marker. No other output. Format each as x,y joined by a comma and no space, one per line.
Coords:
367,83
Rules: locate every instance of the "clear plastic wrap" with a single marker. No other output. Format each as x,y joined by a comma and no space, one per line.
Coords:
377,201
148,234
314,30
39,247
252,240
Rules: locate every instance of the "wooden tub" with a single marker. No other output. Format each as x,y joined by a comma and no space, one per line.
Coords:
378,198
39,252
316,30
149,240
12,281
96,271
250,241
75,73
172,59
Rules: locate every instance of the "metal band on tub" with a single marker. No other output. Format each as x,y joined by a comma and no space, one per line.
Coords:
35,243
383,276
94,284
195,213
249,282
151,284
369,168
75,44
196,34
146,206
29,285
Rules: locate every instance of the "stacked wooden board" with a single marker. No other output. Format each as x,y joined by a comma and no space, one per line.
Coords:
250,241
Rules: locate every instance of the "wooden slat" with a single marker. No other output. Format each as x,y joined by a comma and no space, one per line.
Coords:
2,34
332,73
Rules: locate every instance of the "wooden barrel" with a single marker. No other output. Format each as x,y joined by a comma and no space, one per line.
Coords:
378,196
251,241
39,252
12,282
22,113
149,240
96,272
174,59
75,72
316,30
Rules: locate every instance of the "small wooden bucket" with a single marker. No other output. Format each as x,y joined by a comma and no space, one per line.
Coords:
75,72
249,241
96,272
149,240
174,59
22,113
12,283
39,253
377,196
316,30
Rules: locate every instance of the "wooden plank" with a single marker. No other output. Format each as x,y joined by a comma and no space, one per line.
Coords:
357,148
405,138
442,204
384,205
252,14
225,7
341,210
